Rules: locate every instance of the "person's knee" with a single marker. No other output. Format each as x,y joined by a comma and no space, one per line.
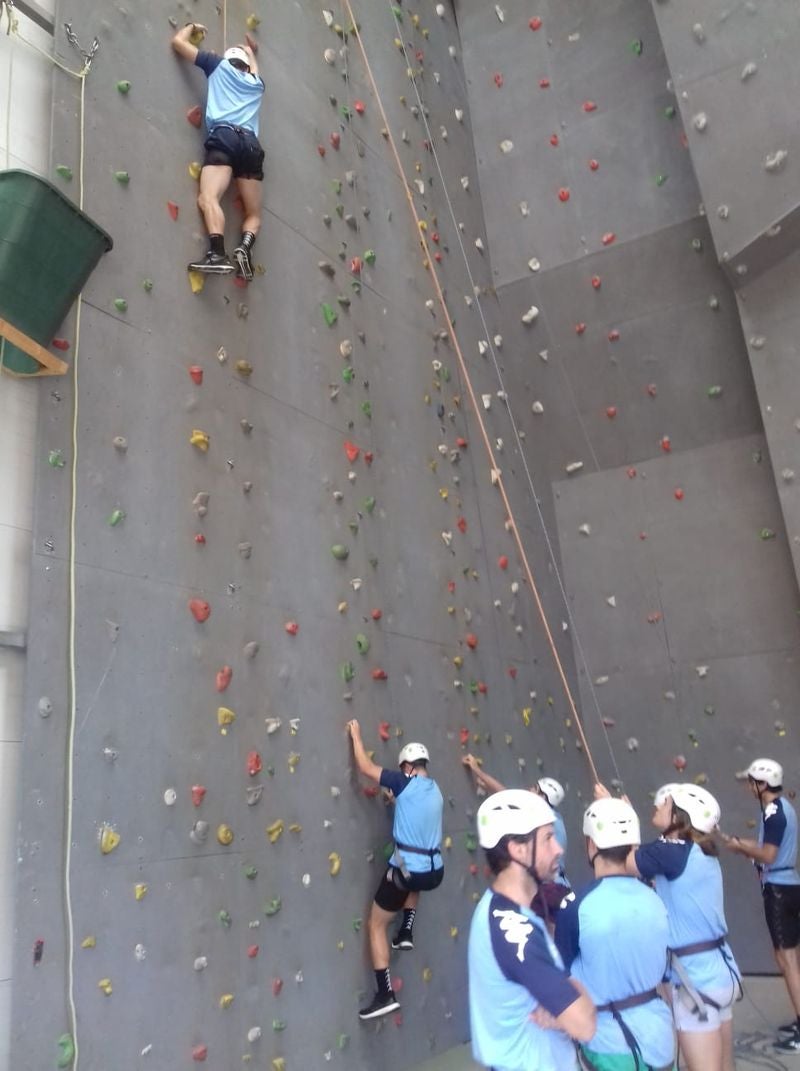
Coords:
781,958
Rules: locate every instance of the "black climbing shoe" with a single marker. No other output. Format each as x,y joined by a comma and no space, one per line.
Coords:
241,255
789,1042
403,939
213,264
383,1004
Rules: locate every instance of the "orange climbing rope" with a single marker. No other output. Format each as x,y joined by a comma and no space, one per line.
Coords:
496,474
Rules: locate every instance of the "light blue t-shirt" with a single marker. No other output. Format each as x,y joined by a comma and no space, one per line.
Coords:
561,837
613,937
418,810
233,96
514,967
779,827
690,884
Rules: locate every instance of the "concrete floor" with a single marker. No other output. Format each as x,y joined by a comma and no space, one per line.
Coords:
764,1008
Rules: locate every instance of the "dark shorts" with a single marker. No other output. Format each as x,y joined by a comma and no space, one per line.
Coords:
782,910
233,146
395,887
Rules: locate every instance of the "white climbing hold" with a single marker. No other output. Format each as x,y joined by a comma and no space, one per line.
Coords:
498,341
585,529
601,680
479,244
699,33
452,50
436,365
518,630
147,1050
346,348
483,347
702,671
537,408
748,71
545,355
442,448
465,182
328,16
335,792
201,963
497,604
487,401
494,476
306,880
498,445
272,724
253,1034
222,355
758,342
723,211
700,122
773,231
573,467
506,146
429,305
329,55
140,952
443,133
459,114
170,797
534,264
447,538
501,394
612,600
440,10
500,13
515,587
787,475
356,583
530,315
774,161
632,744
523,208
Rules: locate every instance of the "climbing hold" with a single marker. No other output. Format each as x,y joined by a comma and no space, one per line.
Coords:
115,517
272,907
748,71
173,209
609,238
274,830
199,832
225,717
498,80
329,313
767,533
362,643
380,674
199,1053
140,890
55,459
254,764
196,374
223,678
352,451
679,762
678,493
292,628
666,444
199,439
64,172
335,140
199,609
123,86
226,1000
66,1050
122,177
589,106
244,368
563,194
120,304
109,839
292,760
198,794
335,864
340,552
530,315
471,640
774,161
88,942
104,985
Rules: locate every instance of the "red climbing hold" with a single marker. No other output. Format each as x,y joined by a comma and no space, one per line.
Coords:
360,107
355,265
643,535
461,443
240,282
471,640
483,688
352,451
254,763
200,538
512,672
173,209
563,194
60,344
544,83
277,986
678,492
498,80
199,1053
321,150
679,762
252,951
370,791
473,869
502,561
336,139
369,457
380,675
654,618
594,165
666,444
292,628
464,737
580,328
652,389
376,614
461,524
198,794
199,609
224,677
383,730
589,106
631,473
196,374
613,336
609,238
535,23
596,282
195,116
611,412
451,586
554,140
437,256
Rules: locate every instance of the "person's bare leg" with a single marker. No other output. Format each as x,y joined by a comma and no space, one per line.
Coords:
789,964
701,1052
728,1062
214,181
250,193
378,940
411,901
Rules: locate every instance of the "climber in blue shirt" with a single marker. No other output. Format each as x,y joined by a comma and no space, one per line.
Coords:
613,937
415,865
526,1012
775,857
232,148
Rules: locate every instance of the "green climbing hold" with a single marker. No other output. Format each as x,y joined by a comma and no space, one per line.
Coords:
355,286
397,12
709,710
147,285
373,561
344,301
446,374
278,1025
120,304
670,112
388,850
342,1040
661,179
368,505
767,533
473,687
697,245
340,211
224,918
122,177
353,526
66,1050
348,374
366,409
251,872
66,173
124,86
358,922
337,187
370,257
115,517
714,392
330,314
471,842
272,907
56,459
347,671
636,47
340,552
362,643
345,112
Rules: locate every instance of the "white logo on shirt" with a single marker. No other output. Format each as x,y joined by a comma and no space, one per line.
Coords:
770,809
516,928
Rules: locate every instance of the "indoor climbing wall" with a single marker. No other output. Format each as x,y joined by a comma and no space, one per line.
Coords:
285,516
633,386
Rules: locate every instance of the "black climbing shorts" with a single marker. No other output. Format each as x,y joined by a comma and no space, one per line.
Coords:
782,909
236,147
395,887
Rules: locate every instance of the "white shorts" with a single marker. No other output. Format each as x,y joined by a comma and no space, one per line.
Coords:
686,1017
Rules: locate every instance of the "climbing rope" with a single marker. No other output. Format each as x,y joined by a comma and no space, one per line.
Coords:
496,474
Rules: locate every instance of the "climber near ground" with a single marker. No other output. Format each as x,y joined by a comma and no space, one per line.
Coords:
775,857
232,149
613,937
415,865
550,893
525,1009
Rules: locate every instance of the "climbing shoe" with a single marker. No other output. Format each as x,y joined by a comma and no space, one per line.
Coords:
241,255
213,264
383,1004
403,939
788,1028
789,1043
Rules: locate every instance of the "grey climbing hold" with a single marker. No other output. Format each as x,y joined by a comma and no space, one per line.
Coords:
199,832
120,443
200,503
253,794
700,122
245,550
251,649
45,707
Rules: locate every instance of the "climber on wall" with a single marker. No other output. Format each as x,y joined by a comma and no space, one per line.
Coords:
550,893
232,149
416,864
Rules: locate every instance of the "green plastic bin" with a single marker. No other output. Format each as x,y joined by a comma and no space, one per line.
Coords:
48,249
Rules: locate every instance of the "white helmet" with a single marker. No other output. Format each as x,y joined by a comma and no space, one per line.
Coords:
611,823
766,770
661,796
413,753
237,53
699,804
552,790
512,812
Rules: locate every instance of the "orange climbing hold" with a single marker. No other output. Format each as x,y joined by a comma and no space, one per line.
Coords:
199,538
195,116
356,265
252,951
471,640
464,737
369,457
352,451
336,140
360,107
277,986
199,609
589,106
462,443
609,238
535,23
461,524
224,677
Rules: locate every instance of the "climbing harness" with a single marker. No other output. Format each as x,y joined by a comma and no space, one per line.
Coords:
616,1007
430,852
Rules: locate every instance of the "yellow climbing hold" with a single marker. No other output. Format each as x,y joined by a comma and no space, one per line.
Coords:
335,861
340,945
295,827
199,439
279,1064
427,974
458,661
89,942
423,226
274,831
109,839
195,167
197,281
444,494
454,932
224,834
104,985
292,761
140,890
342,607
526,715
225,718
226,1000
448,843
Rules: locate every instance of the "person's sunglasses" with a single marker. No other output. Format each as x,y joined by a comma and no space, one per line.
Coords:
237,63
